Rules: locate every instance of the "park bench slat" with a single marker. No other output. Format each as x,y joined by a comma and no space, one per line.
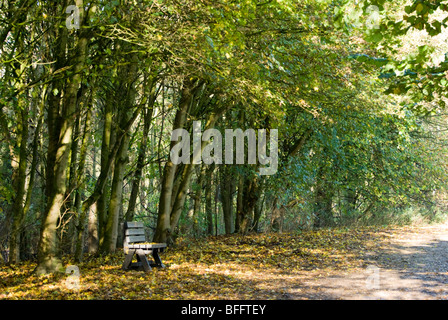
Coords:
134,232
134,224
132,239
147,246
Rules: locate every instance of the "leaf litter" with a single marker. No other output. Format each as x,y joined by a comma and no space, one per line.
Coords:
254,266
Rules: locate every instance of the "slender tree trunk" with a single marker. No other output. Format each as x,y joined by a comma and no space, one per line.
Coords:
104,174
250,197
217,196
323,214
147,117
54,119
80,182
208,198
68,238
226,198
163,228
169,215
19,159
48,256
197,201
101,204
34,162
19,187
258,210
239,204
187,174
129,73
92,230
111,228
351,198
92,226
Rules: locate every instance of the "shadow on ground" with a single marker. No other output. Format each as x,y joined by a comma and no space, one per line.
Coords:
414,266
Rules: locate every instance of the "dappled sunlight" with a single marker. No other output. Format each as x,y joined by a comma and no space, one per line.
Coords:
227,267
320,264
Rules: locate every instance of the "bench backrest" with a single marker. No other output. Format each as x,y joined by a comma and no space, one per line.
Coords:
134,232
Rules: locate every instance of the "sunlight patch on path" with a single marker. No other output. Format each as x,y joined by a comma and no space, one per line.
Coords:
413,266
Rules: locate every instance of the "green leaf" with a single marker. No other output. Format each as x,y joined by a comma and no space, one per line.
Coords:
408,9
419,8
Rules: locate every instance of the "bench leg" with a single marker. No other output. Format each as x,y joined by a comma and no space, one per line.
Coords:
128,259
142,258
155,255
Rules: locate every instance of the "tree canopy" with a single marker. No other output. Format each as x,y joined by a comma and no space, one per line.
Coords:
90,95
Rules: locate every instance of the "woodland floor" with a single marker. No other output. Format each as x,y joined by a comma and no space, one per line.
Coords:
362,263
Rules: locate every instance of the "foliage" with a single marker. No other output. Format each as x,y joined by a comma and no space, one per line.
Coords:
86,117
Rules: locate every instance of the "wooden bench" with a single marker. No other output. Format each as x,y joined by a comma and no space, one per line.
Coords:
134,244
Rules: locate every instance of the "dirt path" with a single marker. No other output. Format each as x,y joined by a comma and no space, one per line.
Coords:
413,265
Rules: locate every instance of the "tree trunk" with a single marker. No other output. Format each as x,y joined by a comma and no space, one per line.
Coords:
34,163
80,182
323,213
169,214
278,212
147,117
129,74
208,198
48,256
92,225
187,173
19,188
101,203
104,174
258,210
216,208
351,199
226,198
19,158
197,201
250,197
111,228
163,228
239,204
